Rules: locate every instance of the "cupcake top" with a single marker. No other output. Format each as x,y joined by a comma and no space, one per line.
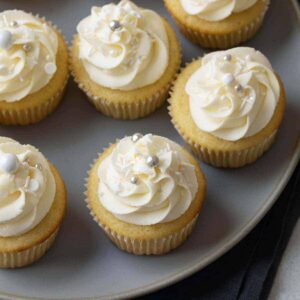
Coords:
28,50
215,10
147,180
123,46
27,187
233,94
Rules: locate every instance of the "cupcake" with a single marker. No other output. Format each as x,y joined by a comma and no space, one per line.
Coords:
146,193
228,106
33,202
218,24
33,68
125,58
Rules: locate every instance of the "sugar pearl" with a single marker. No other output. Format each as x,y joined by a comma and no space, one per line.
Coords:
9,163
50,68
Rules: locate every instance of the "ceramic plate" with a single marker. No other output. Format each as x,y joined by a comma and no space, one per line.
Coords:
83,263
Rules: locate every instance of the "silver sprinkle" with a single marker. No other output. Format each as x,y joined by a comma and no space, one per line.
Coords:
26,47
152,161
14,24
134,180
227,57
38,166
238,88
136,137
115,25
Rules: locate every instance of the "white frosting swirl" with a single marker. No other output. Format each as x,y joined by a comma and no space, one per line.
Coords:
215,10
26,192
129,57
233,94
161,194
29,61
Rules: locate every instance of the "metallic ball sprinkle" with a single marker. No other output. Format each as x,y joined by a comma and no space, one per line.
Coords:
228,57
14,24
136,137
115,25
27,47
152,161
38,166
134,180
238,88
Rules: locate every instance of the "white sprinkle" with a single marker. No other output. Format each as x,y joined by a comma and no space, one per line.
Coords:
50,68
223,98
228,78
33,185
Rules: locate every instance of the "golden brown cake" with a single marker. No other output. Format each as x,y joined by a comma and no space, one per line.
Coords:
229,119
33,204
33,73
218,24
156,206
126,74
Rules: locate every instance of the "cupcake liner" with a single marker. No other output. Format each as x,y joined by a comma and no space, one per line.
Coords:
157,246
226,159
31,114
233,159
125,111
34,114
28,256
222,41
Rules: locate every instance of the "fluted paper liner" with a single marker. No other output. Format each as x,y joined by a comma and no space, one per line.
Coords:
126,111
222,41
33,114
28,256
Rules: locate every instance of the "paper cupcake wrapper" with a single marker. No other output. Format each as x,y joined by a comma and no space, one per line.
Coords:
28,256
157,246
227,159
127,111
222,41
31,115
34,114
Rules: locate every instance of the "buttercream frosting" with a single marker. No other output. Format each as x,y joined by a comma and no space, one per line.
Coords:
27,187
123,46
233,94
215,10
28,50
143,191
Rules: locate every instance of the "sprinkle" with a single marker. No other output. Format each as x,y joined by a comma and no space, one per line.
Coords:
50,68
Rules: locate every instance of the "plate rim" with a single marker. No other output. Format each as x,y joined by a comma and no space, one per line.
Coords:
213,255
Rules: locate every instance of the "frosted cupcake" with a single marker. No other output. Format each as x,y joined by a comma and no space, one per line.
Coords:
146,192
33,68
33,202
218,24
124,58
228,106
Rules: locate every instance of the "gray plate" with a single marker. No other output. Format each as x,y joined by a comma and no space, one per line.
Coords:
83,263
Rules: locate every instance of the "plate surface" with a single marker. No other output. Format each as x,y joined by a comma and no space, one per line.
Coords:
83,263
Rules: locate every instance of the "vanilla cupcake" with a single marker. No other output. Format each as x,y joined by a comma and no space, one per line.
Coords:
218,24
33,202
228,106
125,58
33,68
146,193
